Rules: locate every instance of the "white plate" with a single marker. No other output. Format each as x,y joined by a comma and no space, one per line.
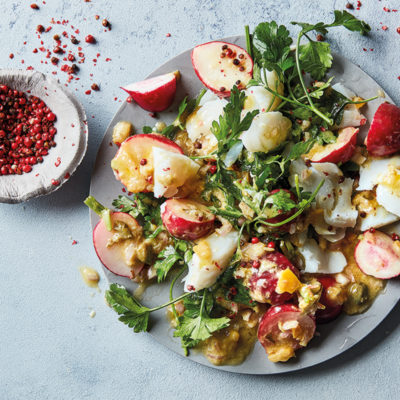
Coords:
336,336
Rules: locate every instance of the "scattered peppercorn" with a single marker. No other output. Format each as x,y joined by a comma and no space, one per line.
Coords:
27,131
34,6
255,240
213,169
320,38
74,40
105,23
56,37
95,87
11,56
90,39
256,264
54,60
40,28
349,6
58,50
71,57
143,161
224,47
236,61
222,89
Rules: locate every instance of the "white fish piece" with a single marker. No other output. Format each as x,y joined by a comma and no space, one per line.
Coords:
376,219
343,214
388,198
208,96
204,269
346,92
323,262
171,171
267,131
199,122
339,234
351,117
259,98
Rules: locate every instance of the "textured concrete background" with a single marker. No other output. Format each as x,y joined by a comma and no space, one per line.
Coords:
49,347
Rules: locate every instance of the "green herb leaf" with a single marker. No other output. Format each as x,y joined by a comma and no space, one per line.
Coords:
132,312
271,44
196,324
316,58
350,22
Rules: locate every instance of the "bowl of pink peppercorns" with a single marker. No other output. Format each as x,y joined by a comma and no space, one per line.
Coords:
43,135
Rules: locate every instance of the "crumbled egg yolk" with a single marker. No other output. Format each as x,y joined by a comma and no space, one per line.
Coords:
391,179
287,282
203,250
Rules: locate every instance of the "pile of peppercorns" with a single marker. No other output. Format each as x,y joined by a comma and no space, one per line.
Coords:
26,131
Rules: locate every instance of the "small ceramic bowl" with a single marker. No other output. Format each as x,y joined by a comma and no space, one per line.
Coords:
71,138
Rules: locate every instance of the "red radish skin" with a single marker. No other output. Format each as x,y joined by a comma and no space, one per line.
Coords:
112,257
220,66
332,310
384,134
340,151
187,219
378,255
138,151
154,94
262,284
271,336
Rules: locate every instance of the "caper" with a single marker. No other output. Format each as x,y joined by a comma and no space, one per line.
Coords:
359,293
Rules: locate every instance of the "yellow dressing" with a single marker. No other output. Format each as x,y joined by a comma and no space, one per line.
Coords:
90,276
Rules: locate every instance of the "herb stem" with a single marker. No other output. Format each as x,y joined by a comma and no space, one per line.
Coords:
296,214
103,212
299,72
248,41
172,287
169,303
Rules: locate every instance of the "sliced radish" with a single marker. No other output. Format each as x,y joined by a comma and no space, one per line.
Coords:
384,134
112,256
340,151
378,255
264,277
133,164
283,330
221,65
154,94
332,309
187,219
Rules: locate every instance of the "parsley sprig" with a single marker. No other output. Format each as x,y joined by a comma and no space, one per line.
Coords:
270,45
131,312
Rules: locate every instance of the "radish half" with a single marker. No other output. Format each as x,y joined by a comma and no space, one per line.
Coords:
283,330
221,65
340,151
384,134
112,257
133,164
187,219
378,255
154,94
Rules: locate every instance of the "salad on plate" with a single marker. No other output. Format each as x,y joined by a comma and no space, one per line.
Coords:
267,196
